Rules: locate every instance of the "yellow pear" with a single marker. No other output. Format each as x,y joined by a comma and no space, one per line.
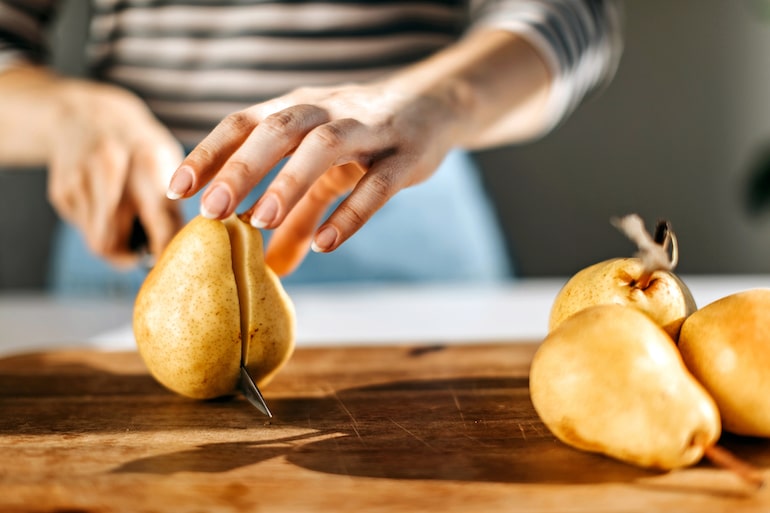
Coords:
646,282
663,295
610,380
726,345
209,302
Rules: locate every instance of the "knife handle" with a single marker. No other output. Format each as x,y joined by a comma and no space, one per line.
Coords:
137,241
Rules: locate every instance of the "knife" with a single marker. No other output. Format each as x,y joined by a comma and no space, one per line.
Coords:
248,385
252,393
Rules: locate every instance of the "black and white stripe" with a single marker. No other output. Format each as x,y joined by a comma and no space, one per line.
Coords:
195,61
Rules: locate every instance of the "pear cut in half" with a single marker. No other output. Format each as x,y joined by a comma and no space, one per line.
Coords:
210,303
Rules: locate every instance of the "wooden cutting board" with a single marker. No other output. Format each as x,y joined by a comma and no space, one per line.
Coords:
398,428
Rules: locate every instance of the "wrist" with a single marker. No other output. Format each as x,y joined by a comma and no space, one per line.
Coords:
493,87
443,104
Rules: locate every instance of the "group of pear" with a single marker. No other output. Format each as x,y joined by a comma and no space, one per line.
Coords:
632,369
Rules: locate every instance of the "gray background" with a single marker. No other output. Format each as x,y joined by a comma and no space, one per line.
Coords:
681,133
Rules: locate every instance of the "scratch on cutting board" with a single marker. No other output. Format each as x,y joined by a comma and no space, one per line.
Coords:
457,405
537,427
341,459
354,423
478,441
421,440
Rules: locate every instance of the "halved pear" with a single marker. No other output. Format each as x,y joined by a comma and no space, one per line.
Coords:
210,301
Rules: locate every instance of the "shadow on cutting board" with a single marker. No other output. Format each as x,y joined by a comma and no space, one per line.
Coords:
481,429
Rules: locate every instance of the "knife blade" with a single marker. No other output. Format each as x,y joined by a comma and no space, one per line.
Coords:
252,393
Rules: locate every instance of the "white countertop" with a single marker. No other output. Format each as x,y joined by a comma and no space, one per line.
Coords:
337,315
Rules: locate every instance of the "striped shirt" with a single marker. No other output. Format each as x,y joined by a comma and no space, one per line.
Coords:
195,61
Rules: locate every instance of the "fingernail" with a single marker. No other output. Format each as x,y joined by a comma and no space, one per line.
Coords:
266,212
216,202
324,240
180,183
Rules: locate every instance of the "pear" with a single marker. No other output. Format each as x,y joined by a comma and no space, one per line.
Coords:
610,380
209,302
646,282
726,345
663,296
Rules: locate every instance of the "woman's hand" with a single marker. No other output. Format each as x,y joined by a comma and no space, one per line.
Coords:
363,142
366,141
109,161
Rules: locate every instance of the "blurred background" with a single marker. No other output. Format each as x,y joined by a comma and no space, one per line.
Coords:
682,133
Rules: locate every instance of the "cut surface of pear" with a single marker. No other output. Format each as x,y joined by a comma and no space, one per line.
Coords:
610,380
209,301
726,345
267,312
665,297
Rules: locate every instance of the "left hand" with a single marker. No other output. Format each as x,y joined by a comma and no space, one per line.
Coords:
364,141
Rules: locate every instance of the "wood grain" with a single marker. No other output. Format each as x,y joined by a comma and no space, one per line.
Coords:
398,428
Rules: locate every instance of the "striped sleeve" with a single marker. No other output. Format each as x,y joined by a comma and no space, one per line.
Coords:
23,26
580,40
195,61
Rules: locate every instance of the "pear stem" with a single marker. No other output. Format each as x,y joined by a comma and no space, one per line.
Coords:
652,250
723,458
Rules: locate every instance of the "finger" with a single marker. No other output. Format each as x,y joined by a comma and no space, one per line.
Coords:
291,241
117,251
208,157
107,168
273,138
324,147
160,217
70,187
374,189
211,153
64,186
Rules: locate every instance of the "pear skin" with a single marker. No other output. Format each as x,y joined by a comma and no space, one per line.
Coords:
726,345
665,297
610,380
209,287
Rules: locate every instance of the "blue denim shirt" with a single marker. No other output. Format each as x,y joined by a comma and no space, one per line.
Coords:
444,229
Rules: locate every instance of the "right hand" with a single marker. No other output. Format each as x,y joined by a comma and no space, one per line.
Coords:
110,160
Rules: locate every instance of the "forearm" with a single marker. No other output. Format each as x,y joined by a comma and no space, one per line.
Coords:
493,81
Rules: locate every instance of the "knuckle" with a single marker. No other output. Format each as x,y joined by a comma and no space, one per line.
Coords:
278,123
352,214
329,136
240,169
239,121
202,154
380,186
287,181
